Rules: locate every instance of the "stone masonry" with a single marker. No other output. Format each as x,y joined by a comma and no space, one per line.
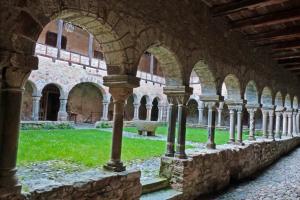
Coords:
206,171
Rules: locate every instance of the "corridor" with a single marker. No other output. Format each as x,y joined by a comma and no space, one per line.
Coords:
281,181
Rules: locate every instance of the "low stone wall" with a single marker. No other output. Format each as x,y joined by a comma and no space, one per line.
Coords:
206,171
116,186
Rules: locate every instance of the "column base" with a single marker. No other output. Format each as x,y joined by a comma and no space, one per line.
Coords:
169,154
231,141
251,138
210,145
180,155
115,166
7,191
62,116
241,143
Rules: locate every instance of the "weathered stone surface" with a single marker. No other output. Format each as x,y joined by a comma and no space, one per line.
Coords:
206,171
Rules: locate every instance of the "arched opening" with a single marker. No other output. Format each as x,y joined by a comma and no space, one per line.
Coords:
266,97
287,102
192,112
278,99
129,108
50,102
232,85
143,108
26,112
295,102
251,94
155,109
85,103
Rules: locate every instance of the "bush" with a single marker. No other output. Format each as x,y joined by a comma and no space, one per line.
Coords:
103,125
45,126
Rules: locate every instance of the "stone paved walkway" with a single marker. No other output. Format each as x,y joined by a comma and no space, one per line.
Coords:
281,181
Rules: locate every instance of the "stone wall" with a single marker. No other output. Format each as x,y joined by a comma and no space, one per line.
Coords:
206,171
124,185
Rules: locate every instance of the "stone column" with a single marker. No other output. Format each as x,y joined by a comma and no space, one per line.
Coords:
294,122
290,124
219,117
60,25
277,128
160,113
120,87
297,122
105,111
211,125
35,108
271,128
171,128
148,107
136,111
181,94
62,113
265,122
232,125
240,125
251,123
12,84
284,123
200,112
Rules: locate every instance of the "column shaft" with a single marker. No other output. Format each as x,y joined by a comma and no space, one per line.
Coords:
251,124
219,117
277,129
265,123
211,126
171,130
180,148
136,111
284,124
232,126
35,108
240,126
290,125
271,128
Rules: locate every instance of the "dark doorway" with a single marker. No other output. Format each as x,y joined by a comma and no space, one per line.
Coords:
154,111
143,109
50,103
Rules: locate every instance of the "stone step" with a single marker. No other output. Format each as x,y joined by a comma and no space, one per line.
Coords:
154,185
164,194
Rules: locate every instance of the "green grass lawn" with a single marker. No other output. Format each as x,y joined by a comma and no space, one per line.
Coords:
87,147
195,134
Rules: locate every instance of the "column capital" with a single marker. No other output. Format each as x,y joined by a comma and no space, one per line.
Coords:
121,81
178,94
253,106
236,107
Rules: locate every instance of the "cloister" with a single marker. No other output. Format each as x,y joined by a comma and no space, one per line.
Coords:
217,64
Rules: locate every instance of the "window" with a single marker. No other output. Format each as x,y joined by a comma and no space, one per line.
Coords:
98,55
51,40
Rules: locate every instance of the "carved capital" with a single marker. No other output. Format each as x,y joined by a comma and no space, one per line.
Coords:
26,62
14,77
121,81
178,94
120,94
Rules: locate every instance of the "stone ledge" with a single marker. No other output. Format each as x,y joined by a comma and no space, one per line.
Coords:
207,171
106,186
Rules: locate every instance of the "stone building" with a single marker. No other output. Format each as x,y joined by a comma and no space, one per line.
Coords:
248,48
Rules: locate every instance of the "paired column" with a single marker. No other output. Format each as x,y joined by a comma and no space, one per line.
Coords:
179,94
290,124
171,127
271,128
284,123
231,125
211,125
251,111
35,107
294,122
105,111
277,128
200,112
220,109
148,107
240,125
265,114
120,87
13,79
62,113
160,113
136,111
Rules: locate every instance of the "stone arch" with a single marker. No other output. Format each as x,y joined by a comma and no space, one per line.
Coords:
192,111
109,29
144,102
155,108
278,99
62,90
206,77
295,102
266,97
169,63
85,102
251,94
287,102
232,87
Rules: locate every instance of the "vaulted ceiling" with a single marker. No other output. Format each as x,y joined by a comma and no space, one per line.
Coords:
266,23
